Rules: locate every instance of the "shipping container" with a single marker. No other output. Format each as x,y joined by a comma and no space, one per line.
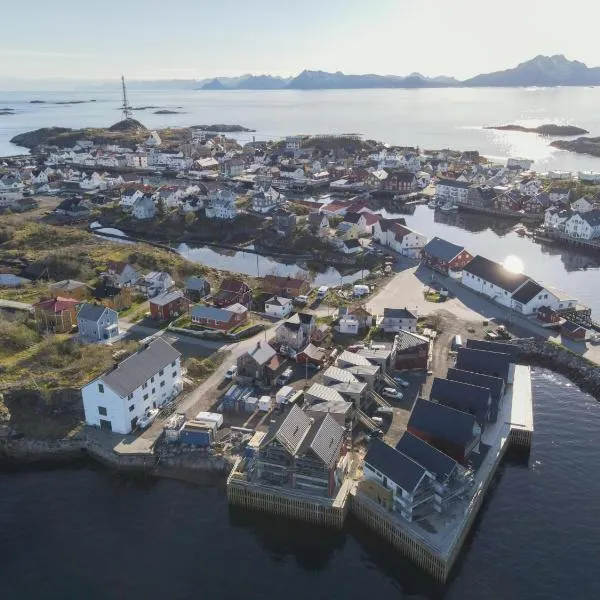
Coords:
210,416
196,434
284,394
264,403
251,404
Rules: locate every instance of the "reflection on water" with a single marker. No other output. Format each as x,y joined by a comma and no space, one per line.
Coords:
248,263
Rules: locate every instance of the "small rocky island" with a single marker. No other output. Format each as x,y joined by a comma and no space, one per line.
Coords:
7,111
582,145
165,111
549,129
127,133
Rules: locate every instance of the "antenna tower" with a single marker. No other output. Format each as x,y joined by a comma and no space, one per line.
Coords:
125,108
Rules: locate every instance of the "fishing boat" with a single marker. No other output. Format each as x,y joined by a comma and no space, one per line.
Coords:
449,207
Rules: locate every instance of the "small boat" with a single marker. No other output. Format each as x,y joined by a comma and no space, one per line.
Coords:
449,207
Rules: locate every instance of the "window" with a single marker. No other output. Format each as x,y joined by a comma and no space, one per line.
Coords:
131,408
102,410
154,390
174,373
151,379
173,364
101,388
161,372
130,396
145,396
162,384
145,385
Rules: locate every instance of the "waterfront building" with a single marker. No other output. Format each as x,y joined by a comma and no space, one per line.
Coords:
584,226
147,379
284,286
496,364
496,386
465,397
97,323
452,191
445,257
394,234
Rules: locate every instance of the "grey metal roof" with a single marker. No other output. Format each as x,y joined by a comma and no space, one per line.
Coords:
442,249
322,392
262,353
453,183
527,292
200,311
289,430
496,364
351,358
195,283
495,273
463,396
494,384
503,347
139,367
337,374
592,217
405,340
324,439
434,460
402,470
442,422
167,297
91,312
398,313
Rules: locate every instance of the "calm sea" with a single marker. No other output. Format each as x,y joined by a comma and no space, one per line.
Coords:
84,532
429,118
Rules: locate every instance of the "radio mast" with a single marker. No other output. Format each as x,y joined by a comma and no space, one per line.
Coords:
125,108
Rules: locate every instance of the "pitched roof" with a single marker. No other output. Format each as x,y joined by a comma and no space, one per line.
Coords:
324,439
278,301
494,384
401,469
91,312
435,461
442,249
262,353
195,283
56,305
398,313
313,352
167,297
510,349
454,183
495,273
442,421
201,311
592,217
232,285
481,361
289,430
462,396
323,392
527,292
68,285
405,340
139,367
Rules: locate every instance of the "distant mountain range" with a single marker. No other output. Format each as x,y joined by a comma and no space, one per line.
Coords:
541,71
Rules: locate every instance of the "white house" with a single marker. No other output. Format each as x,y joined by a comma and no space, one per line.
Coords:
556,218
532,296
265,201
278,307
452,191
493,280
398,319
129,198
221,205
137,160
519,163
121,274
147,379
529,186
155,283
153,140
399,238
143,208
589,176
9,198
585,226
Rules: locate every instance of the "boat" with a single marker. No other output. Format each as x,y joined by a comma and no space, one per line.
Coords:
449,207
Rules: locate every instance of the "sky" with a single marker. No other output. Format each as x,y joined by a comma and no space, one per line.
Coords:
196,39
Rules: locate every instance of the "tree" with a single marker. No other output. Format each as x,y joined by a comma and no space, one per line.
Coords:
161,208
189,219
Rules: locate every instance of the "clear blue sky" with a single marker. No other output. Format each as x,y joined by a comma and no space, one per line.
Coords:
154,39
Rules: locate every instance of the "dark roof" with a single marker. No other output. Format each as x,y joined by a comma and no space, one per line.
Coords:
527,292
454,183
463,396
495,273
220,315
434,460
316,218
510,349
139,367
352,217
402,470
405,340
398,313
569,326
289,430
91,312
442,422
442,249
196,283
494,384
324,439
232,285
481,361
352,243
592,217
400,175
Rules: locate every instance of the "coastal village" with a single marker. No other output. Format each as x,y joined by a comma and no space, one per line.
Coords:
382,396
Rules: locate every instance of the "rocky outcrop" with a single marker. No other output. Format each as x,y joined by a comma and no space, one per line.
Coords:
548,129
578,369
582,145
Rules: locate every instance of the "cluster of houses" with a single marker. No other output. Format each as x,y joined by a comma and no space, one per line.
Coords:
431,467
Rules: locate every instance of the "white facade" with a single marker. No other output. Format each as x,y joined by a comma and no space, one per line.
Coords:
143,208
582,205
278,307
221,205
450,191
521,163
589,176
481,286
585,226
107,409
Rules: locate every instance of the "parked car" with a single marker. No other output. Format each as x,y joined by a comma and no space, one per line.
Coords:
389,392
231,372
401,382
300,300
147,419
286,376
322,292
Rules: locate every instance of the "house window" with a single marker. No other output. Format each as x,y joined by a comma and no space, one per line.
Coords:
154,390
174,373
102,410
101,388
131,408
162,384
145,396
173,364
145,385
161,372
151,379
130,396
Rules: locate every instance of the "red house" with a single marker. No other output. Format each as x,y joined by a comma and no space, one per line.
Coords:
168,305
232,291
285,286
411,351
548,315
444,256
399,182
573,331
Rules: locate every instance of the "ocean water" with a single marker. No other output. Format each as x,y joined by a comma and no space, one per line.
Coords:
428,118
85,532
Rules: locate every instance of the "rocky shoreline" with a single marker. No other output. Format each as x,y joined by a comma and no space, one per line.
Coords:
582,145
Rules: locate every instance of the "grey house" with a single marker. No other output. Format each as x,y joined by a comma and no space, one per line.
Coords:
196,288
97,322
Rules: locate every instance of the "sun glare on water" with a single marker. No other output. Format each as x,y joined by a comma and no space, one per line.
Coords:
513,263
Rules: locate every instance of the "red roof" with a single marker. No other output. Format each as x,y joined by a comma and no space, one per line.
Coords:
56,305
370,218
